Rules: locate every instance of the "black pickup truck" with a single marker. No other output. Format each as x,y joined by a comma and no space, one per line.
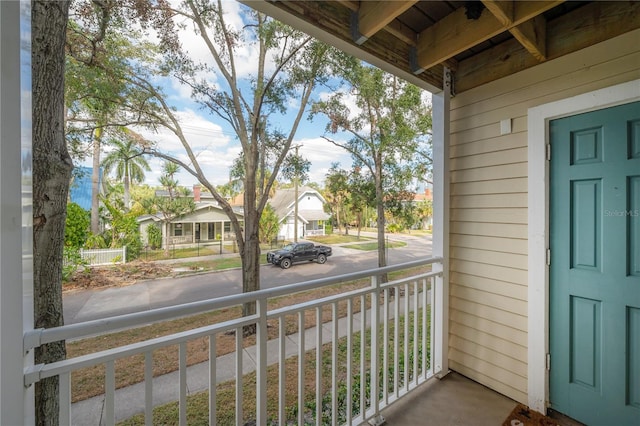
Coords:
298,252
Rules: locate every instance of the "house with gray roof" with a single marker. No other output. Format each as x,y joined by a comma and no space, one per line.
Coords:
207,223
311,214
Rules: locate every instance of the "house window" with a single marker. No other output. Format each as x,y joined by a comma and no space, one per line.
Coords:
227,227
177,230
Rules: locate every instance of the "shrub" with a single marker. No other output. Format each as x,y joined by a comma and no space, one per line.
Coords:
154,236
71,262
76,226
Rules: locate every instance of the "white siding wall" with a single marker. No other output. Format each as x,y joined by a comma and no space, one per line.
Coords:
310,202
488,240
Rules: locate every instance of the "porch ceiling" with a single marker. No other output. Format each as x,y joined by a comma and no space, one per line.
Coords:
479,41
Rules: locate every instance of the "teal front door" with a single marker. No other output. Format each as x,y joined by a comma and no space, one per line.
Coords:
595,266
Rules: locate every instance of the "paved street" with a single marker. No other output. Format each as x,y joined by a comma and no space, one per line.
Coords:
85,305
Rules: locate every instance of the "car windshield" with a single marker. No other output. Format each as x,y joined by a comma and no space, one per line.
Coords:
289,247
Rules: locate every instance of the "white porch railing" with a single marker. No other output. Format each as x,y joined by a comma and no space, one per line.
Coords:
314,232
96,257
183,239
377,351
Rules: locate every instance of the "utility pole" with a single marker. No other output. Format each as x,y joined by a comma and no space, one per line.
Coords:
295,205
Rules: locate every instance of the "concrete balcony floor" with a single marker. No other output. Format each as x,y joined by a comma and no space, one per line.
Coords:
457,401
453,401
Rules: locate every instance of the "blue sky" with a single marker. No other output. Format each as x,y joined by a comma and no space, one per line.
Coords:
214,142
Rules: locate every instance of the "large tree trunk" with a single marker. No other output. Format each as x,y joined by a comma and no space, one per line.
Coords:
52,168
251,254
382,254
126,189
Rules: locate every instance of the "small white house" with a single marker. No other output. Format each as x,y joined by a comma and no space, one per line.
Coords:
311,214
207,223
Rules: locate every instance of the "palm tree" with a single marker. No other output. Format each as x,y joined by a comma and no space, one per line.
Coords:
128,162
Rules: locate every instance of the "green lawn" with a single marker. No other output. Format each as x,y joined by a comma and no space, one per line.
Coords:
374,246
337,239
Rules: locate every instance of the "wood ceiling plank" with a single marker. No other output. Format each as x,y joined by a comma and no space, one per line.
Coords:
352,5
525,10
402,32
455,33
375,15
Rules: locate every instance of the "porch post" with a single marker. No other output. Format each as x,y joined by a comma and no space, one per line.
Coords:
16,286
441,109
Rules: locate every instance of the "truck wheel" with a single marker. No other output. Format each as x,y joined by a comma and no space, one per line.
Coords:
285,263
322,258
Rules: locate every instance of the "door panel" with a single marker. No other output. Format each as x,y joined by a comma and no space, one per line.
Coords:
586,343
634,226
595,266
586,219
633,360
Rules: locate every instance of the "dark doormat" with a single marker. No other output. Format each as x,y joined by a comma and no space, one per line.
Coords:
523,416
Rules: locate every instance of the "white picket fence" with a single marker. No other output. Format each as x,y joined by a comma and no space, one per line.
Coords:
96,257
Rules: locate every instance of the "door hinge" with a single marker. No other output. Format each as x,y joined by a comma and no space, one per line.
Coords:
548,257
548,362
548,149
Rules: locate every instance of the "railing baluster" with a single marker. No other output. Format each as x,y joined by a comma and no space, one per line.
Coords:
416,341
319,365
385,348
261,362
334,364
396,342
375,325
406,337
301,365
110,391
349,360
213,380
148,388
363,368
239,381
433,325
182,373
281,372
65,398
425,330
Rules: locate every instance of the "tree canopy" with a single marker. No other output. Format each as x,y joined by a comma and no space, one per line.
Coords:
388,132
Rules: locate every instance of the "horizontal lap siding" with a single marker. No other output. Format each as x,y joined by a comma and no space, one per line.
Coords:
488,200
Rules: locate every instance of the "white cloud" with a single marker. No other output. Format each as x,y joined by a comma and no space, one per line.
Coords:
214,148
348,100
322,155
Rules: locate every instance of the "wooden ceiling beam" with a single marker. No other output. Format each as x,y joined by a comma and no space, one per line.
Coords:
372,16
532,36
502,10
589,25
455,33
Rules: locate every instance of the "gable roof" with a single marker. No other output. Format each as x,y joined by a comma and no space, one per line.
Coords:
212,206
283,203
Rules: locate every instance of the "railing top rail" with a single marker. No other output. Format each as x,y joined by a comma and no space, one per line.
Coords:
35,338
